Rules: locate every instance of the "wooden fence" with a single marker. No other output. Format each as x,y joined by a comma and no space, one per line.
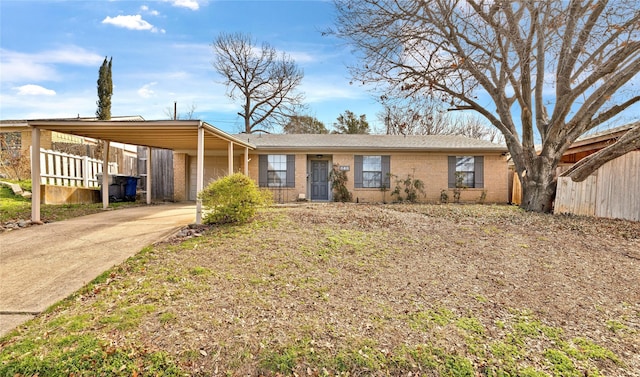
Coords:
161,172
62,169
612,191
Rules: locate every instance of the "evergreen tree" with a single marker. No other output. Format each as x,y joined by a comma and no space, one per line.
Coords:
105,90
348,123
304,124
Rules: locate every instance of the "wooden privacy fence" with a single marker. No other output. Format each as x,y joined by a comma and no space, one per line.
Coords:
612,191
62,169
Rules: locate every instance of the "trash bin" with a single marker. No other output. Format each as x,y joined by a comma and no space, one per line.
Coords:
130,189
121,187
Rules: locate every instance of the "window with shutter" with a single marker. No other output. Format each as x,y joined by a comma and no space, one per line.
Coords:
371,171
466,171
276,170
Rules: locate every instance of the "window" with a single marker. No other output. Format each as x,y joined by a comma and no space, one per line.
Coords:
276,170
371,171
466,171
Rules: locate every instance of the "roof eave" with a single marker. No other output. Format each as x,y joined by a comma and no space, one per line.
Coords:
334,148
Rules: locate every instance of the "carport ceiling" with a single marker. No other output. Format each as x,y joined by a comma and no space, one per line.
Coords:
181,135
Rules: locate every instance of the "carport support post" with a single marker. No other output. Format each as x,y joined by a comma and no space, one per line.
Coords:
230,158
105,174
148,177
199,173
246,161
35,174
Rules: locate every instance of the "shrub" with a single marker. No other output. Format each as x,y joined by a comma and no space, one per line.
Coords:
412,187
339,185
444,196
232,199
457,191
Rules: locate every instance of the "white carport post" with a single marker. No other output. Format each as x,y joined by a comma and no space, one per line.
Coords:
230,158
246,161
148,177
35,175
199,173
105,174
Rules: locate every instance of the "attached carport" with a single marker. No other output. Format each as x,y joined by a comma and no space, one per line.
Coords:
186,136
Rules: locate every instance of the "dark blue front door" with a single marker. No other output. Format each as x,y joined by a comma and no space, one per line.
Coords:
319,180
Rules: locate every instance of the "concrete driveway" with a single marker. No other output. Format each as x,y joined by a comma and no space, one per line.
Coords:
41,265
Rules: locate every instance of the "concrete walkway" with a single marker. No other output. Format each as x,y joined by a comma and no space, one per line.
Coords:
41,265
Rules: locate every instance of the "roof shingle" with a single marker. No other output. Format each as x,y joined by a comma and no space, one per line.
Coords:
338,142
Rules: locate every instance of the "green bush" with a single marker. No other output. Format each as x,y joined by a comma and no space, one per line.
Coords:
339,185
412,187
232,199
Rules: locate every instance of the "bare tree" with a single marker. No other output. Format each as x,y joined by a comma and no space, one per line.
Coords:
474,127
561,67
419,115
172,112
424,115
263,80
14,162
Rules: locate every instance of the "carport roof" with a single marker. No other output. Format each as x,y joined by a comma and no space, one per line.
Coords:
178,135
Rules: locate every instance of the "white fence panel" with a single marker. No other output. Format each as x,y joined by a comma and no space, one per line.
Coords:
62,169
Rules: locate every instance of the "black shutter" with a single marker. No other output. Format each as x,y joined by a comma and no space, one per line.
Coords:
479,171
263,165
386,169
452,171
291,170
357,171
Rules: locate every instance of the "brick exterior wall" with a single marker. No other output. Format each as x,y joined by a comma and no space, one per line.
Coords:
431,168
45,140
214,167
179,176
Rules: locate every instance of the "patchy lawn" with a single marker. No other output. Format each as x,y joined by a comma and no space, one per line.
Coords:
16,210
345,289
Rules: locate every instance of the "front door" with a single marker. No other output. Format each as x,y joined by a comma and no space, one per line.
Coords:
319,180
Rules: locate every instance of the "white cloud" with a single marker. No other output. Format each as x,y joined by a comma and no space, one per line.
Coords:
329,88
72,55
191,4
152,12
34,90
19,67
301,57
146,91
131,22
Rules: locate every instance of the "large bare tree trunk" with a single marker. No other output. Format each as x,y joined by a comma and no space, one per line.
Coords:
539,186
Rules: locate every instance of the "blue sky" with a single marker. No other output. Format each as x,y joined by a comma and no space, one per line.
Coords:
50,53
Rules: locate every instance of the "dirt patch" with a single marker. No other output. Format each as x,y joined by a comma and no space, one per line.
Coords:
383,290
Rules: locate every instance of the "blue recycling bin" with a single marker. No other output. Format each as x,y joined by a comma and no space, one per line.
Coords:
121,187
130,189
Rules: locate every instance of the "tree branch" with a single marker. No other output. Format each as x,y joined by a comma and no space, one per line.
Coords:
626,143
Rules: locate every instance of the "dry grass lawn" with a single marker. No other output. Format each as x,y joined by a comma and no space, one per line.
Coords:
358,290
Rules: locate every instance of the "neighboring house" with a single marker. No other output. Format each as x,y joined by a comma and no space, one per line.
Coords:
298,166
122,154
611,191
590,144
